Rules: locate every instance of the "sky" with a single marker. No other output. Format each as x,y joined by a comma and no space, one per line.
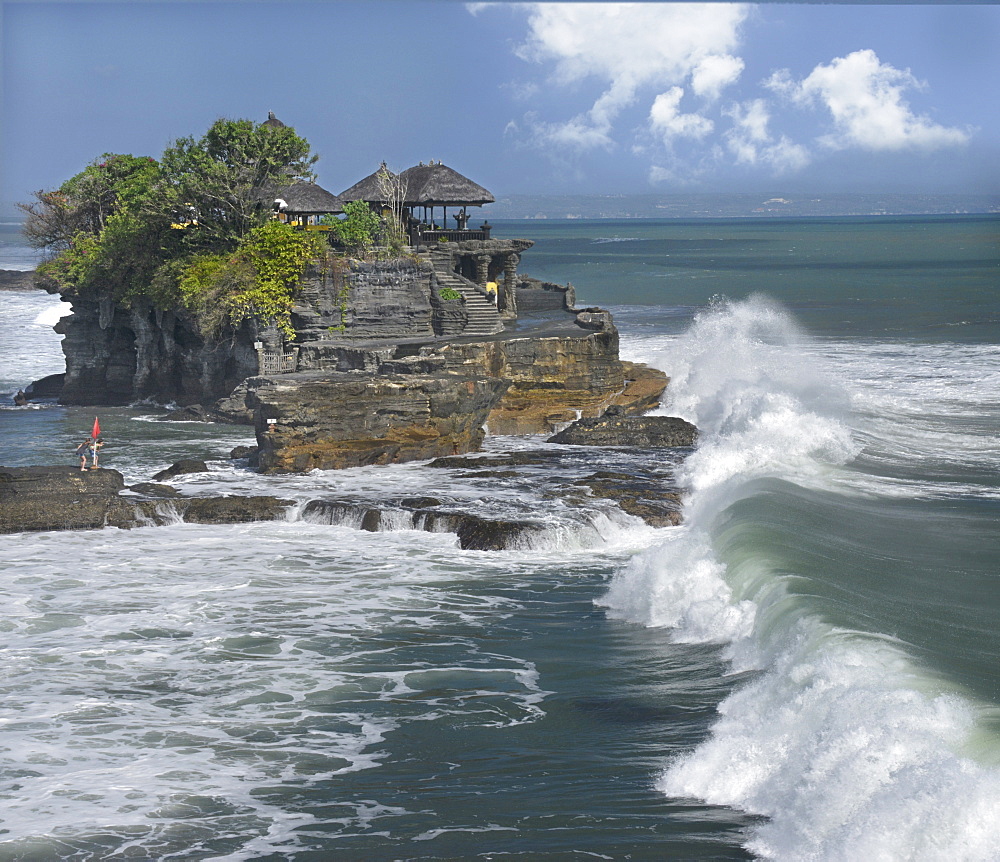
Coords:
523,98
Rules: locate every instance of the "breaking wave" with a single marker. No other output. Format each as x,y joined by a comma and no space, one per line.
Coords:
849,745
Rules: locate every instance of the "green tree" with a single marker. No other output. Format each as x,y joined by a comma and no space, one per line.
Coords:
358,229
228,178
255,282
85,202
193,228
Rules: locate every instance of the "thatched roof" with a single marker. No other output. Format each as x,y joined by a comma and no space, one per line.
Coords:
368,189
304,198
438,185
273,121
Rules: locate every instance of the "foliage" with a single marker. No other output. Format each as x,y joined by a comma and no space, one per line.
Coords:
112,228
255,282
228,177
84,203
447,293
359,228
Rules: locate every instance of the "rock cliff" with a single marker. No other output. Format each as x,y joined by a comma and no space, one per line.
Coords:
118,355
331,420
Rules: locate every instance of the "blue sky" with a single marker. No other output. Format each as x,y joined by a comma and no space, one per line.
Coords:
559,98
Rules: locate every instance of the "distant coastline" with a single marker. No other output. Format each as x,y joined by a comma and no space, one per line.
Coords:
668,205
686,206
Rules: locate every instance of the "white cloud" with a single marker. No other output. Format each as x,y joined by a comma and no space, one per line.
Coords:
751,142
628,46
865,98
666,120
715,73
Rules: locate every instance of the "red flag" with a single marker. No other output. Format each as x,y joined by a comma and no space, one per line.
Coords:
97,429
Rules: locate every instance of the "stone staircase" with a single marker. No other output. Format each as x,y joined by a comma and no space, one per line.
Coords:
484,319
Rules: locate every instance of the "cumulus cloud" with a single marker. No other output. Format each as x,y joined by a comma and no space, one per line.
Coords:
865,99
628,46
668,122
751,142
715,73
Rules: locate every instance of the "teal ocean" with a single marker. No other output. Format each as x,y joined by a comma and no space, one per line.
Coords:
807,669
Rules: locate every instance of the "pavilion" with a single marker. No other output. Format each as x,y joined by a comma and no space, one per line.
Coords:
424,188
302,204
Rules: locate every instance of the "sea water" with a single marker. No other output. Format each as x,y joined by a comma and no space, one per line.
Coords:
806,669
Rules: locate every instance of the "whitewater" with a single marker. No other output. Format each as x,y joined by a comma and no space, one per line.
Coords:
852,746
805,669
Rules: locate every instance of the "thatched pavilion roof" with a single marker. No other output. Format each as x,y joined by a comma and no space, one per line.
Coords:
304,198
424,185
368,189
438,185
273,121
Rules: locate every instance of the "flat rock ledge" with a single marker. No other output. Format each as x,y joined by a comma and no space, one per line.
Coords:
616,429
33,499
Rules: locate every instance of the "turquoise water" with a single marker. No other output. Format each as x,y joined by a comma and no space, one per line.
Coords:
805,670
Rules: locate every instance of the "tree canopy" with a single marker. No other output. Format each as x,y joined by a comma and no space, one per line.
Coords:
129,226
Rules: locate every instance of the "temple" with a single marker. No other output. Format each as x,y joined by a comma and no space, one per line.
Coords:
465,259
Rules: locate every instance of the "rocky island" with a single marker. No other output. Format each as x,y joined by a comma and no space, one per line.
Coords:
352,329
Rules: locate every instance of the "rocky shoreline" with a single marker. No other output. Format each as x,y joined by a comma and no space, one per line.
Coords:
382,370
66,498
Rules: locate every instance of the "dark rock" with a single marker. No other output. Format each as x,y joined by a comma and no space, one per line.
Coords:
231,510
645,432
481,534
474,533
154,489
185,465
15,279
66,498
419,502
57,498
239,452
642,496
47,387
233,408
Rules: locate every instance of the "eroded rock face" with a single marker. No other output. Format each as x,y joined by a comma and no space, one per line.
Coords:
615,428
560,378
117,355
330,421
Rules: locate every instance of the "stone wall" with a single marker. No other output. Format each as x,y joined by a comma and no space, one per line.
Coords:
534,296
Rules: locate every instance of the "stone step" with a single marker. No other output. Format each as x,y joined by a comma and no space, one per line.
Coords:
483,317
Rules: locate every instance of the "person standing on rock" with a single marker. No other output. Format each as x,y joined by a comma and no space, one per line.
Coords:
85,450
96,448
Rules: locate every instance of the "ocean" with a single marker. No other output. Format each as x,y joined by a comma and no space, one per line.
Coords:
808,668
